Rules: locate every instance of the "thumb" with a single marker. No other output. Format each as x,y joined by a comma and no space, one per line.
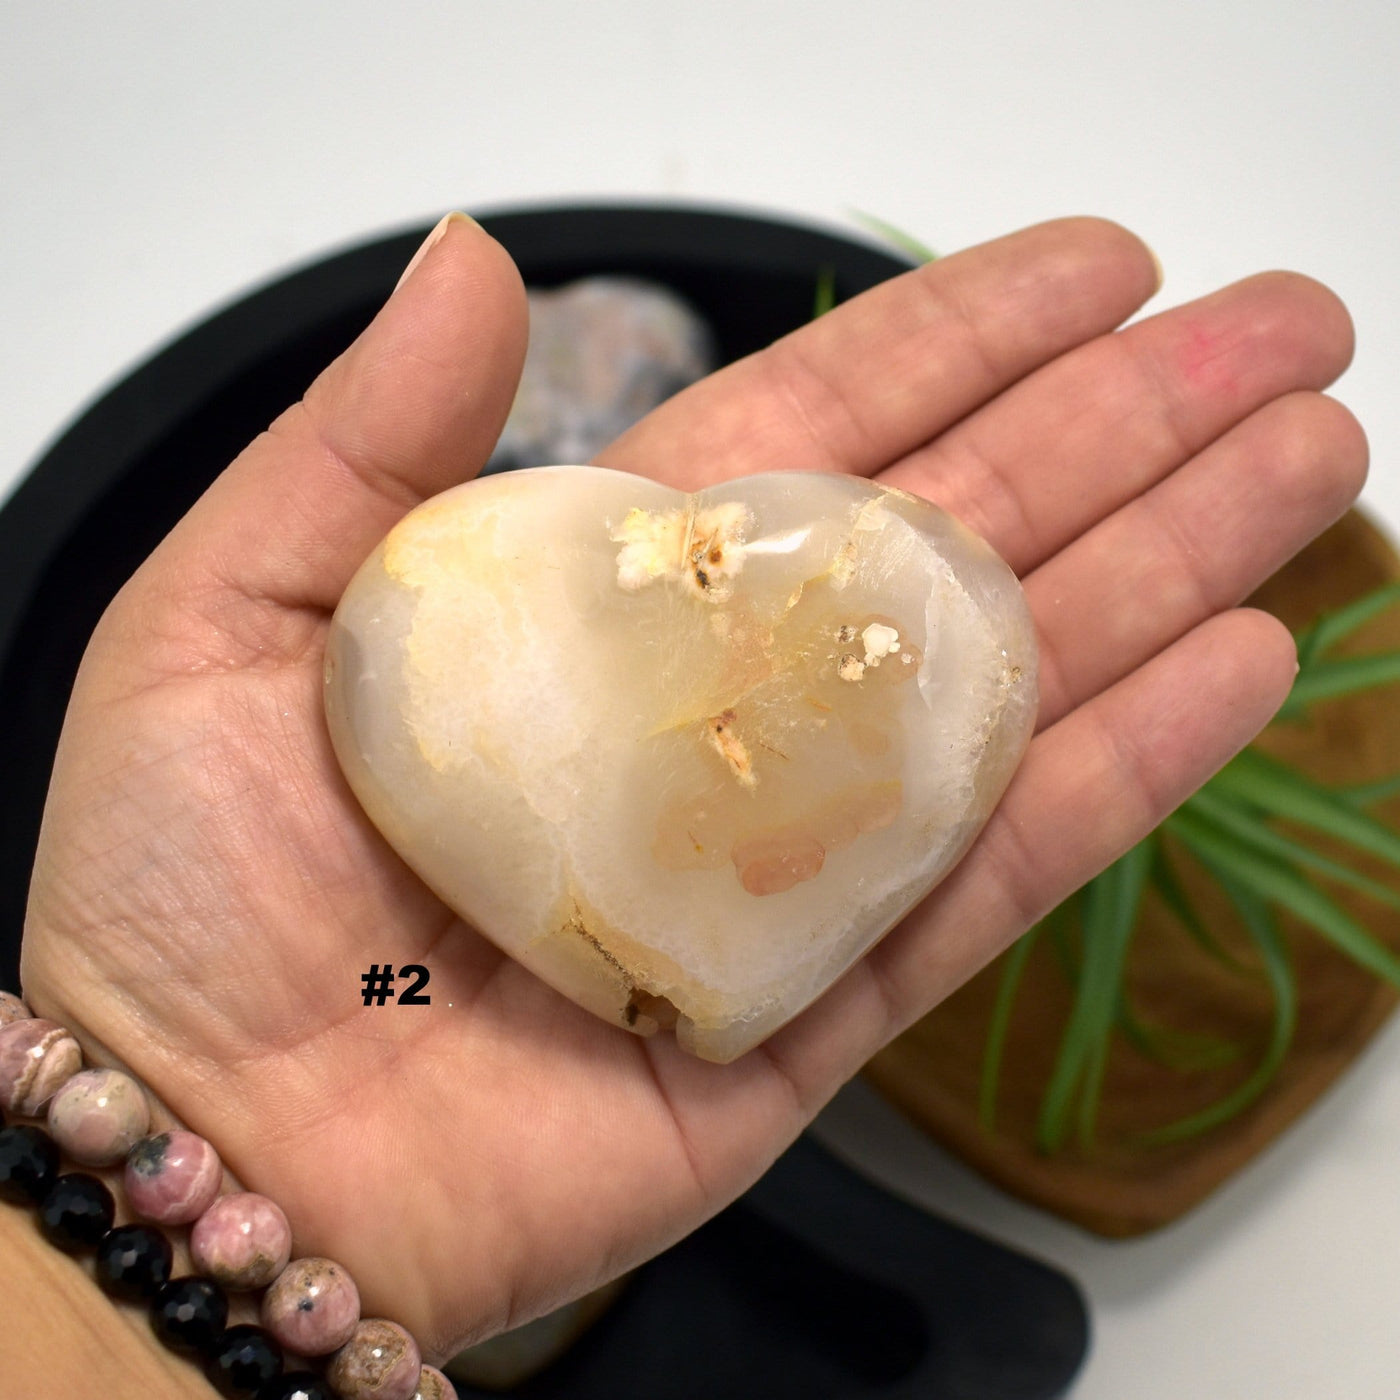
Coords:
412,407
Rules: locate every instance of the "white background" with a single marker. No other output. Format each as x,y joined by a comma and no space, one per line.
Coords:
155,159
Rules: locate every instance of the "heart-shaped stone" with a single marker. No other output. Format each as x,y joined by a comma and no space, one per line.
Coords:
685,757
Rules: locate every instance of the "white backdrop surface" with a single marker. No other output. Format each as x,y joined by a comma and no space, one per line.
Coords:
158,158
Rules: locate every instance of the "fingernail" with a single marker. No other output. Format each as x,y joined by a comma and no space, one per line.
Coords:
1156,263
426,247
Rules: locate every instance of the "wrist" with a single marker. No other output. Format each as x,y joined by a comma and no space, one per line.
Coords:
200,1302
64,1337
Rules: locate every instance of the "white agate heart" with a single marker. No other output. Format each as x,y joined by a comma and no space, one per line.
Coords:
685,757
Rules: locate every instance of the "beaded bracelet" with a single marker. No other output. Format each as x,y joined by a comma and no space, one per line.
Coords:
239,1242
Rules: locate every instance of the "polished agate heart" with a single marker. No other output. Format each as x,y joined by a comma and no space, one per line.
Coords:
685,757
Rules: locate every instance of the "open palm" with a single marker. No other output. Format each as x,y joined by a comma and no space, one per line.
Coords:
207,892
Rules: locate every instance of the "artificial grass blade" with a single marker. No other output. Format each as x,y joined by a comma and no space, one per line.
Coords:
1111,904
1285,792
1228,828
1057,923
824,299
1241,824
1012,968
1173,894
1263,930
1368,794
1325,680
1333,627
1176,1049
1272,880
905,242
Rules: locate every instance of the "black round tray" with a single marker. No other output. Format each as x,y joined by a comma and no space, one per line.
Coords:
816,1284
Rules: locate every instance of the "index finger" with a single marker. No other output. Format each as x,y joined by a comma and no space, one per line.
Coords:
883,374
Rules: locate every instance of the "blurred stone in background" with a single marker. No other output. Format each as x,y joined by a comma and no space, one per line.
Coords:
604,351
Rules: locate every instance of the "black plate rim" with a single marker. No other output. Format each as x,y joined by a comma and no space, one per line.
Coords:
122,423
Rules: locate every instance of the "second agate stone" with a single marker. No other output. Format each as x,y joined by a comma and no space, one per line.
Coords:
685,757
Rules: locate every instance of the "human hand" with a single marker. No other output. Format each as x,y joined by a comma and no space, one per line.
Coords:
207,891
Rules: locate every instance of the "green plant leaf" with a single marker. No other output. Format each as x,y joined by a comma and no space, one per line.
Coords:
1245,826
1263,929
1012,968
1111,902
1326,680
905,242
1284,792
1173,895
1272,880
1333,627
824,298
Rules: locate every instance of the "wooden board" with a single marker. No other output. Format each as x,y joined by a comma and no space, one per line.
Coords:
1120,1187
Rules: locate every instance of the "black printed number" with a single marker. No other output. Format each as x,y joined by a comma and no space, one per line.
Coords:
413,995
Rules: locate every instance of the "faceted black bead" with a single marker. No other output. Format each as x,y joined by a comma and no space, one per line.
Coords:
28,1163
188,1315
244,1359
77,1212
297,1385
133,1261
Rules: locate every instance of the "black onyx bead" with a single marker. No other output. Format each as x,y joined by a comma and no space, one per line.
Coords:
243,1361
297,1385
188,1315
77,1212
28,1163
133,1261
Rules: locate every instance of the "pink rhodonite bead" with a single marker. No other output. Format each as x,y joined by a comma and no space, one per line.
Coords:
36,1057
12,1009
312,1307
380,1362
242,1241
98,1116
433,1385
172,1178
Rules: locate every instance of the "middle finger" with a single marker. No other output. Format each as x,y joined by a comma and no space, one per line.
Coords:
1065,447
858,388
